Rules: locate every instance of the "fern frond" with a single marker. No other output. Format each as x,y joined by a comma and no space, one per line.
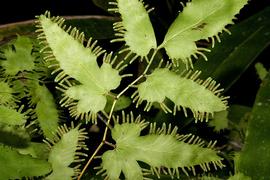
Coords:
199,20
135,29
65,151
16,166
162,149
71,60
45,109
20,59
203,98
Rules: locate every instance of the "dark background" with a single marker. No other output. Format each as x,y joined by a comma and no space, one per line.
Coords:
13,11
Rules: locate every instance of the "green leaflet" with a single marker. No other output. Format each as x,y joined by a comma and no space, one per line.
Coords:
11,116
45,110
6,96
135,28
199,20
64,152
162,147
73,60
202,97
20,59
16,166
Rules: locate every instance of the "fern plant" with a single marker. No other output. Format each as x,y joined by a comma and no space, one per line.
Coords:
89,87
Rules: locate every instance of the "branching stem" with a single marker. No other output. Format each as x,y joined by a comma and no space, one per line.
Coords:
111,111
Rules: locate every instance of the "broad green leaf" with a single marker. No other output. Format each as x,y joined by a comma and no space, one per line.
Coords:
63,153
11,116
20,59
230,59
16,166
200,19
160,148
73,60
45,111
254,159
135,29
201,97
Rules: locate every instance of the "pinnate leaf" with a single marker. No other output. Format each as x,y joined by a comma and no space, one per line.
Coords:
160,148
73,60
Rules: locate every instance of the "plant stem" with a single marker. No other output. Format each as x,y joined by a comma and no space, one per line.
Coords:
111,111
91,158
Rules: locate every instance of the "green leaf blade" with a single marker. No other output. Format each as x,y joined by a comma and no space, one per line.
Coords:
19,60
64,153
6,94
199,20
138,31
27,166
161,148
202,97
74,61
253,160
46,110
10,116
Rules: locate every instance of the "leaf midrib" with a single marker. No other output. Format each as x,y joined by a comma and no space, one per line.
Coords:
189,27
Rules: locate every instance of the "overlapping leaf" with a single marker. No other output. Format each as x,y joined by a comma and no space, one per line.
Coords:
16,166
